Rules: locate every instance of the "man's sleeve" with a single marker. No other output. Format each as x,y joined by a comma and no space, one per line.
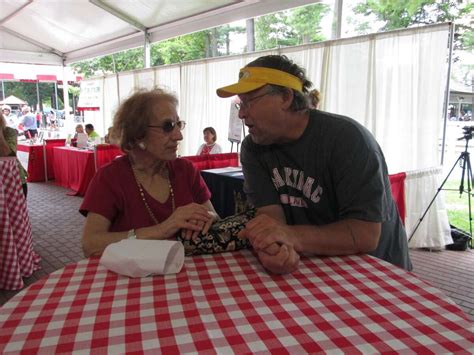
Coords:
360,177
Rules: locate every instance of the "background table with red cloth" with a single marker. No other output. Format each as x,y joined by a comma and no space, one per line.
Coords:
36,158
74,168
17,258
397,183
35,166
105,153
227,303
213,161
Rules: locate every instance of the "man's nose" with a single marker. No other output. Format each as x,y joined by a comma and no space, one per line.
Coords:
242,113
177,134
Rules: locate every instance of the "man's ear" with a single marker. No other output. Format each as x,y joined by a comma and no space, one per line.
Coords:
287,99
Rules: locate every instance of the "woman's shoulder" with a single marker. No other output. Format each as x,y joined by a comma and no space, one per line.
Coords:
181,164
116,166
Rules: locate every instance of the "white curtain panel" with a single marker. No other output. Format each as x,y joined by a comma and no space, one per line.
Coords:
169,78
434,230
126,84
144,79
111,101
410,75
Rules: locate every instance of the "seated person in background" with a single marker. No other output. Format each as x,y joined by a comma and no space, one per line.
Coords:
108,137
314,98
148,193
79,129
319,181
90,131
8,142
210,147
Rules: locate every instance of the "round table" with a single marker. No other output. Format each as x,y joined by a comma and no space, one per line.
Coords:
227,303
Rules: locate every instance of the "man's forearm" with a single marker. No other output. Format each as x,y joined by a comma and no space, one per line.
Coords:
341,238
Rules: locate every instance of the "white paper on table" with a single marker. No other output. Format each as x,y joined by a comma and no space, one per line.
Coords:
227,169
141,258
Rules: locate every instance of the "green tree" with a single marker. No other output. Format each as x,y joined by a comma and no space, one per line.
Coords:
306,22
407,13
27,92
274,30
114,63
291,27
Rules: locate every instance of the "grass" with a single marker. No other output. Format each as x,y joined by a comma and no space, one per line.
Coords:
457,206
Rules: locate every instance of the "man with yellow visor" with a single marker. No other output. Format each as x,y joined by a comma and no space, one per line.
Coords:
319,181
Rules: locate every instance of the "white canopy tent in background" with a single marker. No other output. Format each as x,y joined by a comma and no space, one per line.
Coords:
63,32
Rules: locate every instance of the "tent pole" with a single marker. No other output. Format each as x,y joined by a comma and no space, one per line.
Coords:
38,96
446,93
56,94
67,108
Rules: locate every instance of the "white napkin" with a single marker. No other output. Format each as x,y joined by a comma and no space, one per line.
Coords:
140,258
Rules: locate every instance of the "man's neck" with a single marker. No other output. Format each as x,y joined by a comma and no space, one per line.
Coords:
295,125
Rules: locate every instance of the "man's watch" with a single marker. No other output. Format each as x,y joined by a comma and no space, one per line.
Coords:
131,234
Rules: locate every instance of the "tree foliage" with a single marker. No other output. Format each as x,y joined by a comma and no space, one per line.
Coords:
408,13
27,92
291,27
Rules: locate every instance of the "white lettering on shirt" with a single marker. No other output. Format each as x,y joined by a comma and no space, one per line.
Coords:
296,179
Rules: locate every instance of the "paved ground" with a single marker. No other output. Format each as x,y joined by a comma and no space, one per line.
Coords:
57,227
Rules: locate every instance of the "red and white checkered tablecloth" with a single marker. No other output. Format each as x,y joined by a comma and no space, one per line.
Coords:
227,303
17,258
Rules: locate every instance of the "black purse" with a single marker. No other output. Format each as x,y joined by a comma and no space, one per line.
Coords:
221,237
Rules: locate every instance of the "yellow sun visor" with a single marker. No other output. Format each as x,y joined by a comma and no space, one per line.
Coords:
252,78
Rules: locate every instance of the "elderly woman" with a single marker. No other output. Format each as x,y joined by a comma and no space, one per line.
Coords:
148,193
210,147
8,141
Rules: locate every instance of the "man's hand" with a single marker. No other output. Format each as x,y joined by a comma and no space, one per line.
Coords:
263,230
284,262
273,243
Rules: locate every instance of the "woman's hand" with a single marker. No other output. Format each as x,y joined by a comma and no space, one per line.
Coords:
192,217
188,234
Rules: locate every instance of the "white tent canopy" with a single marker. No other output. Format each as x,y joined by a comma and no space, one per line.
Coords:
61,32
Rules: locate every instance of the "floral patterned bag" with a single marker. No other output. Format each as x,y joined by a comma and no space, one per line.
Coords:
221,237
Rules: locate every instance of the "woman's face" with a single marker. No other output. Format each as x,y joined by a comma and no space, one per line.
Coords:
208,137
161,144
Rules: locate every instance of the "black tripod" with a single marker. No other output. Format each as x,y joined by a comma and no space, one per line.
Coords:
465,163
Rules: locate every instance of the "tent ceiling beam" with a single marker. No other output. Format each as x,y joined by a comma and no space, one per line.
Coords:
139,26
14,13
117,26
32,41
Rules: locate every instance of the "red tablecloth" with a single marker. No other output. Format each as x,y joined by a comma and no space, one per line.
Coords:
213,161
17,258
35,161
36,158
226,303
73,168
106,153
397,183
